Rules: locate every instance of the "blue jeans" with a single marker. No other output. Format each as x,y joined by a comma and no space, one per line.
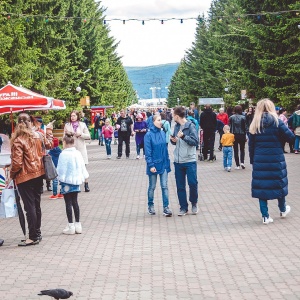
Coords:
100,135
164,188
227,157
263,204
297,138
54,186
182,171
107,145
138,149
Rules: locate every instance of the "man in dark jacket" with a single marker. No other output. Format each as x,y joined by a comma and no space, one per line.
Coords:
208,123
125,130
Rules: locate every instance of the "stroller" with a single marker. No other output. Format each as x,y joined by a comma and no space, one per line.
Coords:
116,136
200,155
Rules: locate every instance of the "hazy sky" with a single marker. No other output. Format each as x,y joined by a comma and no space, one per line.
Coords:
153,43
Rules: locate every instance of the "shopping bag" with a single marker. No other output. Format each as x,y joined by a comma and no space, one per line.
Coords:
50,170
8,205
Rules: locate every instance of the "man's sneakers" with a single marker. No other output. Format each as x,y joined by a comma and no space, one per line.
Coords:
194,208
266,220
53,197
151,210
287,210
167,212
243,166
237,168
137,157
182,212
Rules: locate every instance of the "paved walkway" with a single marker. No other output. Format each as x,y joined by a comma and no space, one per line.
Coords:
222,253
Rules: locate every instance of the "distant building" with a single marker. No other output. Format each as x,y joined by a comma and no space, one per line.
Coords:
155,102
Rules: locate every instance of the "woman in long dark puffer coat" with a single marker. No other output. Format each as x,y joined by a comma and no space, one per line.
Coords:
269,174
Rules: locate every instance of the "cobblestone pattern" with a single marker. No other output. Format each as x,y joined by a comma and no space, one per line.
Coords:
224,252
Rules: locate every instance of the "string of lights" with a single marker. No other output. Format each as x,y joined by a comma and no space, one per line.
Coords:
258,15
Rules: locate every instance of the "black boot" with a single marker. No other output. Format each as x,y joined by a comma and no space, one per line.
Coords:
1,242
49,189
86,187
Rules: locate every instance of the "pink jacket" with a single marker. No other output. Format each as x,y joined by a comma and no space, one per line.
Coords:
107,131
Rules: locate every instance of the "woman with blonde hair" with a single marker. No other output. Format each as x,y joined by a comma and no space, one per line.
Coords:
269,173
27,170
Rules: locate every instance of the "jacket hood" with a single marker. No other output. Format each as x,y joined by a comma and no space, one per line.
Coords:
207,110
153,128
297,112
267,120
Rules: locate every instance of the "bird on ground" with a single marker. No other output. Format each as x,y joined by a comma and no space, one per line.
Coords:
56,293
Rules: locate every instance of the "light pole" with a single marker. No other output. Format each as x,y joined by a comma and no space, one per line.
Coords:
78,89
178,101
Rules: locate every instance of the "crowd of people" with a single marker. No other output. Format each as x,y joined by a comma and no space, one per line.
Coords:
266,129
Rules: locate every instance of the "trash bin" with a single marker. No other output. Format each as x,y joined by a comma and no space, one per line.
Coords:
94,134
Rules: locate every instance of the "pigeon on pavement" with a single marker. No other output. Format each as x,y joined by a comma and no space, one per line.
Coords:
57,293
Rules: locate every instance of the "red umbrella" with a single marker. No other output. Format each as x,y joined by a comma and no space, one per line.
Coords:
55,105
16,99
19,97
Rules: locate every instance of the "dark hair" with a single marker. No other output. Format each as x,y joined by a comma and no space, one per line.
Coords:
69,138
191,113
282,110
179,111
238,109
163,115
192,103
77,114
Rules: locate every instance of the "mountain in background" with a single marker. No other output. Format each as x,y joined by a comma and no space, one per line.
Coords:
144,78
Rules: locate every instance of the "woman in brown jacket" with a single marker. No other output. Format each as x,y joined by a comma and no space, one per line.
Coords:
27,170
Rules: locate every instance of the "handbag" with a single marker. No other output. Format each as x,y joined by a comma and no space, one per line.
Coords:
50,170
8,205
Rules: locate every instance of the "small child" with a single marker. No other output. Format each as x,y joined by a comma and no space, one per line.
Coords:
227,143
55,153
116,134
107,133
71,173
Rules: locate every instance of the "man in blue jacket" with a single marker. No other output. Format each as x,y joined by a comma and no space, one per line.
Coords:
186,139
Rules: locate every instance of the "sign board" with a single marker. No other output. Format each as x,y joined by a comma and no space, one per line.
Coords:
243,94
212,101
85,101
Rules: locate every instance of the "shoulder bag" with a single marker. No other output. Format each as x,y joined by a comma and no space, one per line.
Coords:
50,170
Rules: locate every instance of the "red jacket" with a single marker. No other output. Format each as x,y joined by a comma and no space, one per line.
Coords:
223,118
107,131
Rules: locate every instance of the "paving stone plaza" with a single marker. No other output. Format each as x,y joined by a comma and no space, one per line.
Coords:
224,252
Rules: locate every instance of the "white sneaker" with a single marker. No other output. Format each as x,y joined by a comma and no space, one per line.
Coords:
78,227
70,229
108,156
237,168
228,169
137,157
287,210
243,166
225,169
266,220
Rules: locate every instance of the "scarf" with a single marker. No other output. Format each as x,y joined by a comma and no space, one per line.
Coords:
75,125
